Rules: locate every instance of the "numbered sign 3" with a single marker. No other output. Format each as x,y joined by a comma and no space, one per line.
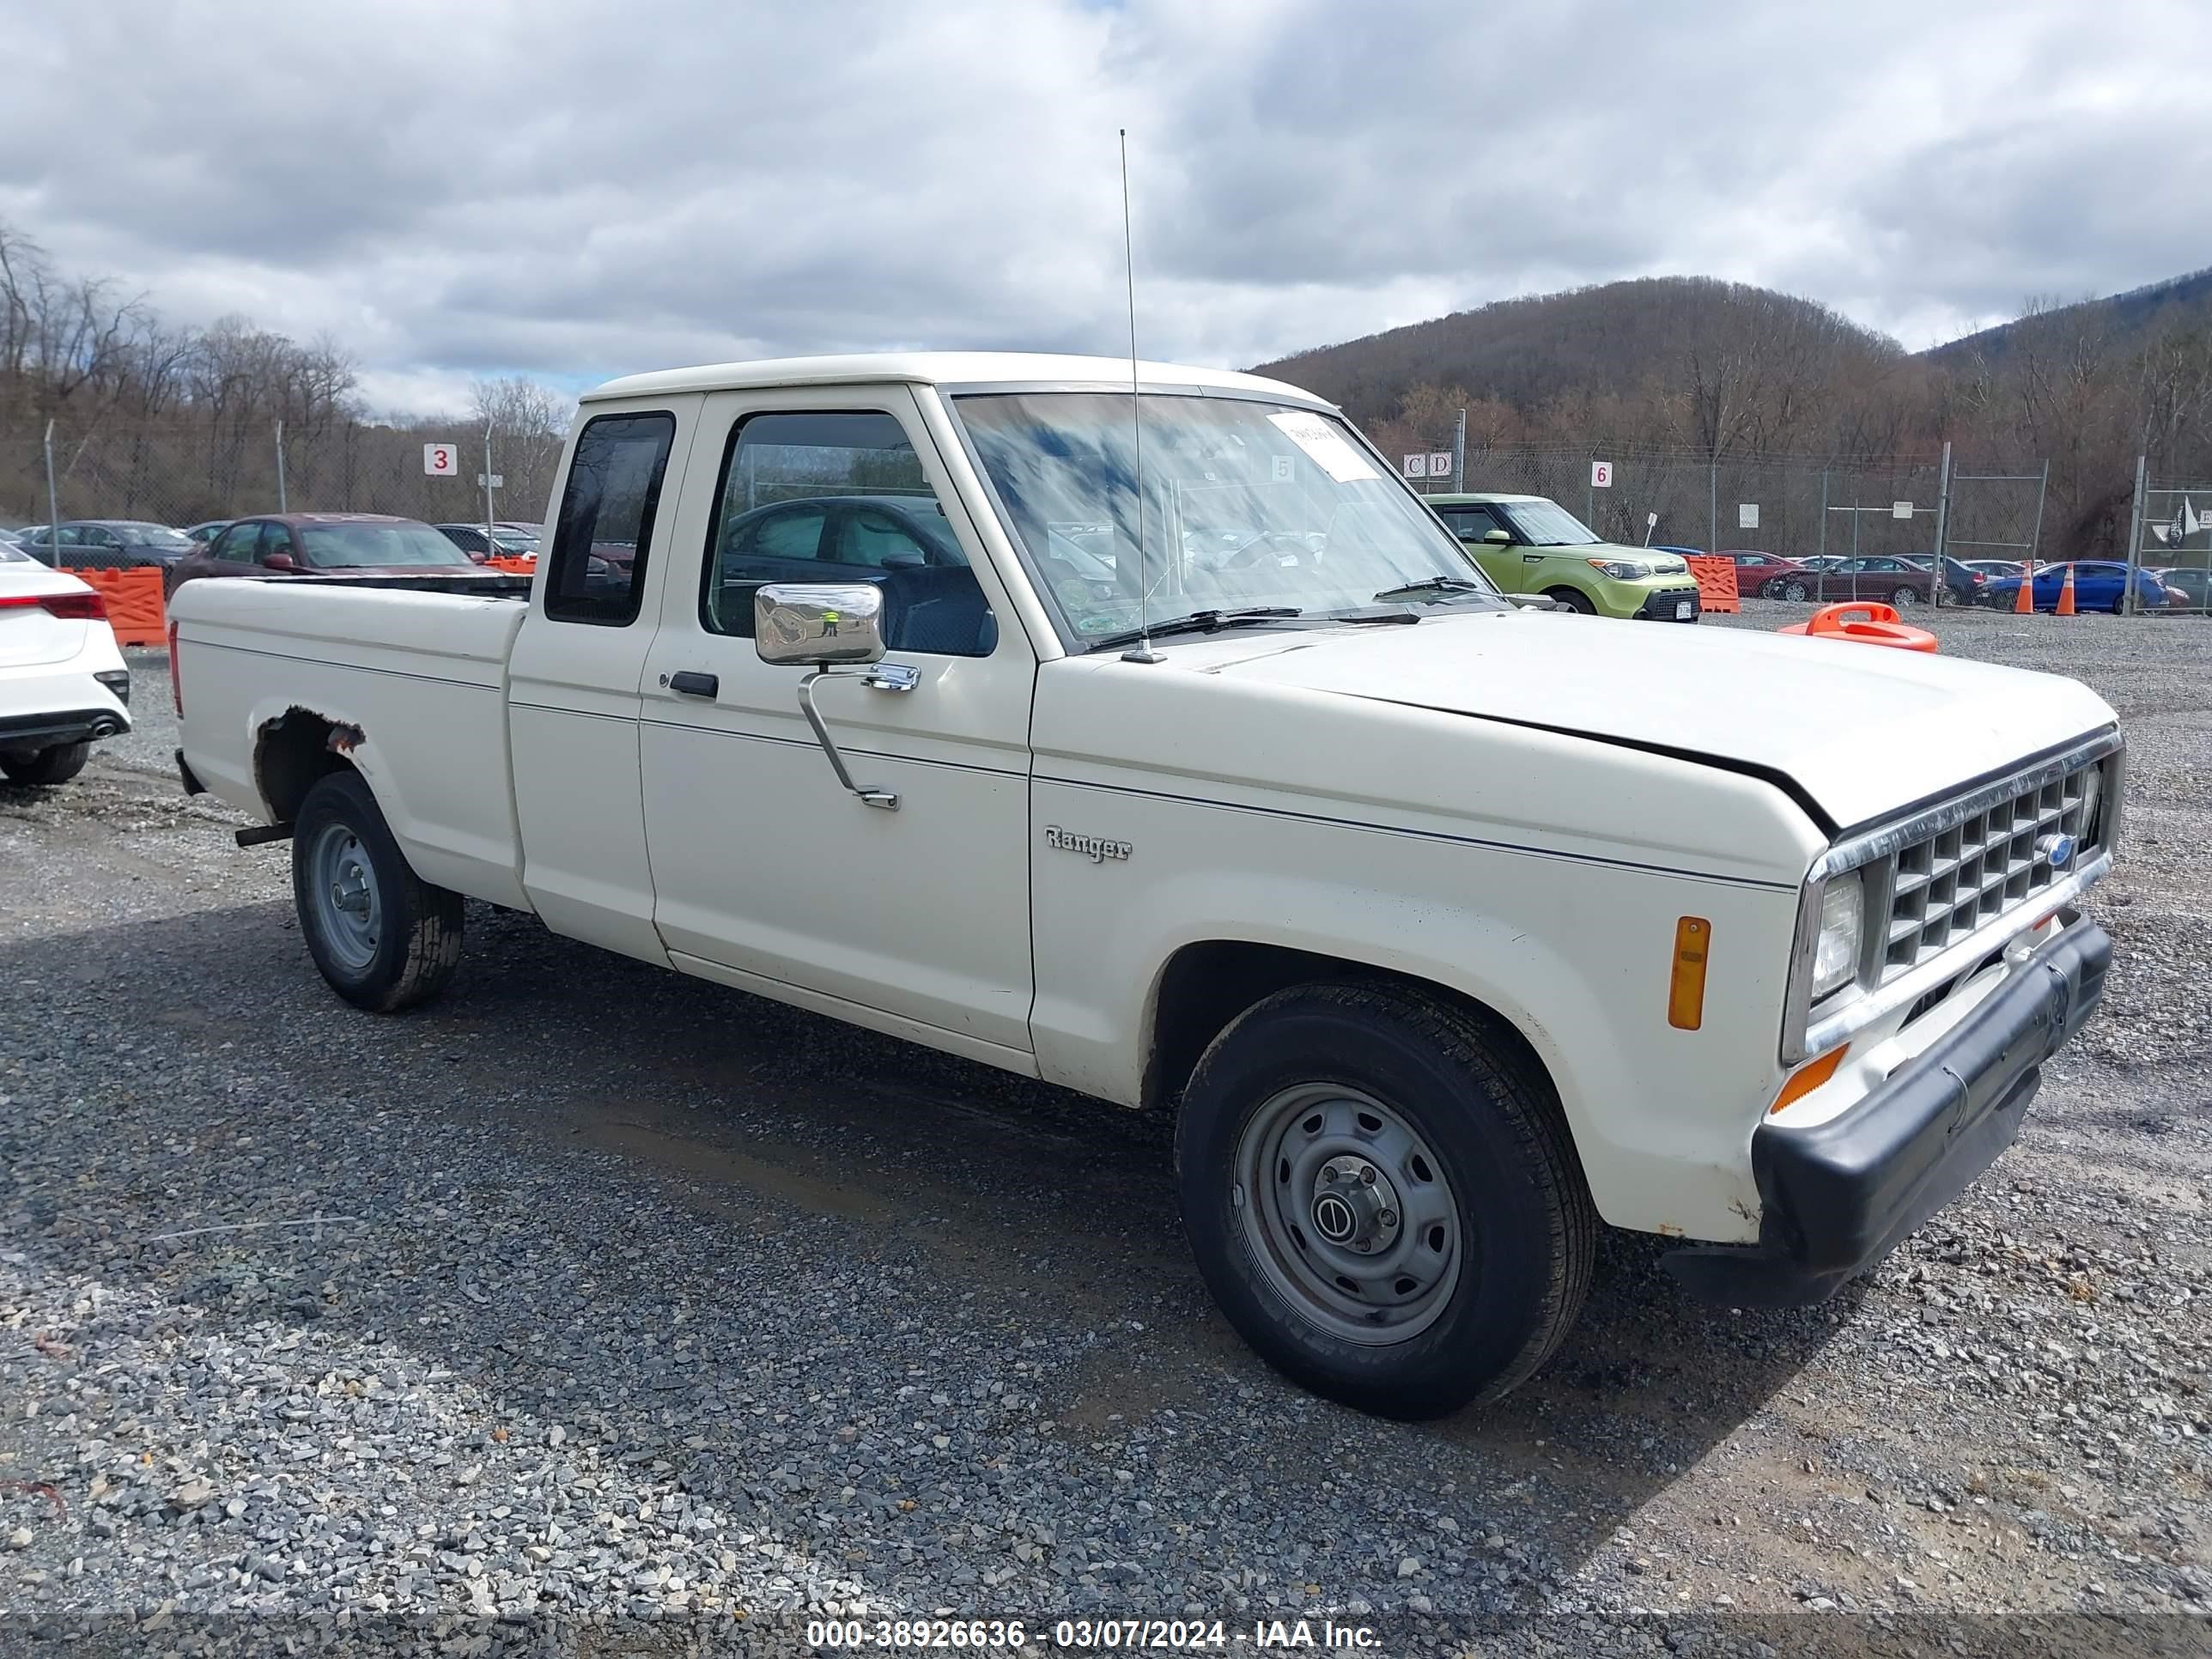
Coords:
439,460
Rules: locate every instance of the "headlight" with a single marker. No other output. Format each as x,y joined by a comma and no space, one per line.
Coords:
1836,953
1621,570
2092,804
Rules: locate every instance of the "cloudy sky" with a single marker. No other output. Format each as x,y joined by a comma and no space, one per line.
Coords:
573,189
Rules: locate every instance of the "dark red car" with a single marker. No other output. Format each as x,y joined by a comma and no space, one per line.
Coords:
1762,575
280,544
1893,581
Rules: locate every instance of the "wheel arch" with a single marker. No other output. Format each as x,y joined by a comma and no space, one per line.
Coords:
1206,983
294,751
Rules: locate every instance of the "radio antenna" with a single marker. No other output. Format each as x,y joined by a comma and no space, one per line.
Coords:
1142,651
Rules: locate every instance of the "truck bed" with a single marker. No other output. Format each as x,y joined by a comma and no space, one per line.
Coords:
410,673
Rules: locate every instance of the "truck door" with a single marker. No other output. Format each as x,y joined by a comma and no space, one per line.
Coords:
767,872
572,703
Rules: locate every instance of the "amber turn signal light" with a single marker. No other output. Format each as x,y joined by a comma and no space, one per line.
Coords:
1686,986
1809,1077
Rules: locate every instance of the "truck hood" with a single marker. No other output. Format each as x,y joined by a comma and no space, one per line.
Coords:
1859,730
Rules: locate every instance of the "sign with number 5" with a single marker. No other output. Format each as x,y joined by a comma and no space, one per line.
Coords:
438,460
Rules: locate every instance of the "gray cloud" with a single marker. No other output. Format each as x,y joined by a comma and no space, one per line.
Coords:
573,189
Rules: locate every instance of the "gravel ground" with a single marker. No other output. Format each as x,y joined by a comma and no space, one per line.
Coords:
603,1308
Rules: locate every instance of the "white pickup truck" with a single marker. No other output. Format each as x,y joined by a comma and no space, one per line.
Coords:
1168,748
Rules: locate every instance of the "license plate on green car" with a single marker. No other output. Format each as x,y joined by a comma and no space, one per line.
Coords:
1682,611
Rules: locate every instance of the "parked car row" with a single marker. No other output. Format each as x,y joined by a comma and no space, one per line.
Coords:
126,544
1906,579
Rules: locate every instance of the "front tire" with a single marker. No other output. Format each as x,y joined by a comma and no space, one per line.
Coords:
1797,593
384,938
57,764
1383,1198
1576,601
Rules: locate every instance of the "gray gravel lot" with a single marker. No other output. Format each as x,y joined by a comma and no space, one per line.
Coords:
594,1293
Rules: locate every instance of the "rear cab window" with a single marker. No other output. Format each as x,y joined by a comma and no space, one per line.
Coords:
596,571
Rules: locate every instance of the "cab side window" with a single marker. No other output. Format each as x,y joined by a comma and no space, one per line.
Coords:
601,540
840,497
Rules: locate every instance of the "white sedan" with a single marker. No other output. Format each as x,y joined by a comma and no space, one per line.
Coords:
62,683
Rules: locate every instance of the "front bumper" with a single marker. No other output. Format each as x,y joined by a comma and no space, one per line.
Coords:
1665,604
1837,1197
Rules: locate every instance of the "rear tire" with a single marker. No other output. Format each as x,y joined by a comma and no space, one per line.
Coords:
46,766
1457,1199
384,938
1904,598
1577,602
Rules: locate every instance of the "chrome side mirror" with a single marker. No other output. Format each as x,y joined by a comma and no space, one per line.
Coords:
829,627
817,624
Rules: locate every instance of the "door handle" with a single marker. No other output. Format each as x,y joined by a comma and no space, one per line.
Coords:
693,684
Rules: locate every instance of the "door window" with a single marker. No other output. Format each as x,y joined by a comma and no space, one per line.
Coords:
274,538
236,544
841,496
605,528
1469,523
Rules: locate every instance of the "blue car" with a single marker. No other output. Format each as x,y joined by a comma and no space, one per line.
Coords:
2099,585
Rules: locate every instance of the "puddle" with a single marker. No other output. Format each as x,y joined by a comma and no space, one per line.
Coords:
704,1161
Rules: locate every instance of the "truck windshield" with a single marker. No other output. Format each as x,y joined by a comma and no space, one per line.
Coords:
1547,524
1244,504
359,546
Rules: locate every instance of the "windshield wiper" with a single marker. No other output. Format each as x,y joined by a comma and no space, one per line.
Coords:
1198,622
1430,585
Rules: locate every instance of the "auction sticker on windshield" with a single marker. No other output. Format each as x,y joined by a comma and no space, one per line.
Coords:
1326,445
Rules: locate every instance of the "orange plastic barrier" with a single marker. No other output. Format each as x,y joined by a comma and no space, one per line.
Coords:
525,566
1715,584
1881,626
135,610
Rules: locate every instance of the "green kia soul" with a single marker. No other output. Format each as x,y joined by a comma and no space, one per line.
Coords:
1527,544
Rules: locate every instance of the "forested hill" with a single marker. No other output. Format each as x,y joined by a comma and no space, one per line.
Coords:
2181,300
1588,341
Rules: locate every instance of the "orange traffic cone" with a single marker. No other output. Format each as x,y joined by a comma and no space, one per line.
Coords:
2066,595
2024,601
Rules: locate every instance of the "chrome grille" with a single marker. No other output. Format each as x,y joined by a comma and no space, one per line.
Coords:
1957,880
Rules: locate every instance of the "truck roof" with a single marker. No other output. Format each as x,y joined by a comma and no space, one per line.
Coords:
953,369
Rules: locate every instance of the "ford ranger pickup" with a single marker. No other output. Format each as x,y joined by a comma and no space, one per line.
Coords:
1134,727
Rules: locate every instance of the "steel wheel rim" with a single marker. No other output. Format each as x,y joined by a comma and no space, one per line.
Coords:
348,906
1369,1258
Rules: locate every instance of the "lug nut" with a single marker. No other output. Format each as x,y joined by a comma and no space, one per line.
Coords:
1367,1173
1389,1217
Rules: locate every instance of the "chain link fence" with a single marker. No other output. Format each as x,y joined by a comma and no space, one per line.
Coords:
1985,509
184,474
189,472
2173,543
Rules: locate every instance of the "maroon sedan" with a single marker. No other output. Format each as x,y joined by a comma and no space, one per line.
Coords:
1762,574
1893,581
327,544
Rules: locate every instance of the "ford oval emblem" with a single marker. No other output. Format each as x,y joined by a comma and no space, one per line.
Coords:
2056,850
